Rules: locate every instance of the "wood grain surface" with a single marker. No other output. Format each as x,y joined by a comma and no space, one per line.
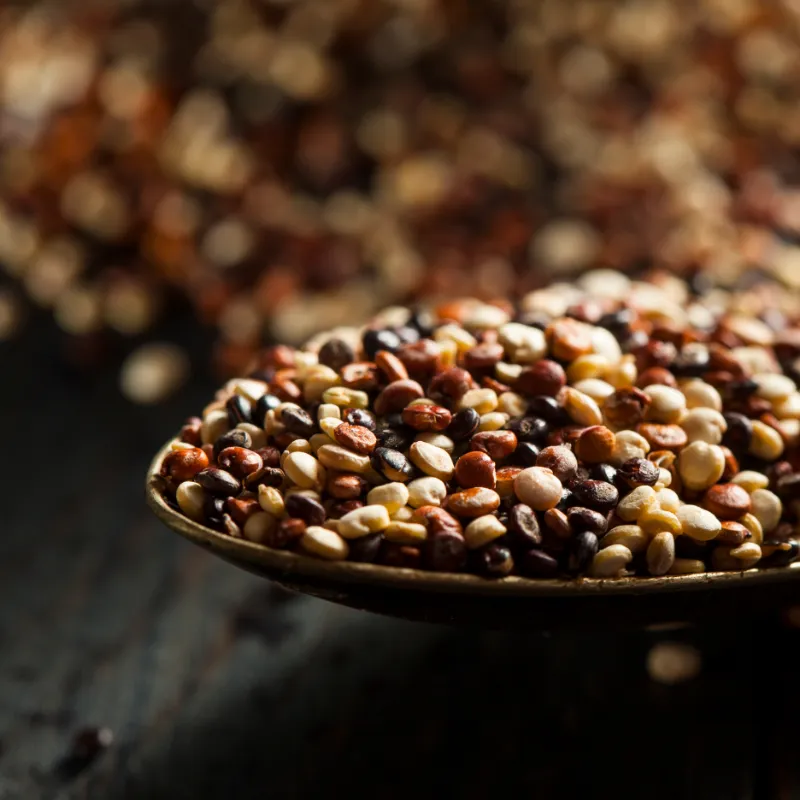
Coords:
217,685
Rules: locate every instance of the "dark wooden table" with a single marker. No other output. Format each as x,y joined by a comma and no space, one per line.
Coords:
217,686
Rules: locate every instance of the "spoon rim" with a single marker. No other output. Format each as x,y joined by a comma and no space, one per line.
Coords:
287,564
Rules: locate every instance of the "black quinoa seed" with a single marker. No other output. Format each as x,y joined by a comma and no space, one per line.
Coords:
266,476
526,454
218,482
234,438
392,464
375,340
463,424
638,472
618,322
597,495
267,402
782,557
584,519
582,550
523,526
603,472
408,334
538,564
305,508
336,353
494,561
214,511
691,363
366,548
239,410
298,421
529,429
422,321
549,410
445,551
566,499
739,434
739,389
360,416
399,438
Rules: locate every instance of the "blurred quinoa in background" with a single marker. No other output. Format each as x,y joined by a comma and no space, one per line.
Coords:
291,165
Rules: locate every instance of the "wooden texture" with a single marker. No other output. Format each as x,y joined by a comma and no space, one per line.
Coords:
218,686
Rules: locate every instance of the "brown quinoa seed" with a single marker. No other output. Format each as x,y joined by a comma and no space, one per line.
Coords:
421,359
355,437
733,533
569,338
626,408
595,444
656,375
560,460
344,486
727,501
239,461
427,417
542,378
397,395
362,376
183,465
450,385
483,356
476,468
498,444
473,502
390,366
663,437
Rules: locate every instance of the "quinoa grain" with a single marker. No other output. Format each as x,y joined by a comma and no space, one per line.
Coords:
450,438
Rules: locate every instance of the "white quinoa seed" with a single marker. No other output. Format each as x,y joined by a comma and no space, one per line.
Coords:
258,527
538,487
667,404
483,530
153,372
700,465
363,521
661,553
392,496
698,523
655,519
191,499
334,456
304,470
634,504
704,425
750,480
610,562
631,536
432,460
767,508
324,543
766,443
428,491
773,386
405,532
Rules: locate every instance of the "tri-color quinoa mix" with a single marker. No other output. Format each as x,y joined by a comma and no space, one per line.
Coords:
603,428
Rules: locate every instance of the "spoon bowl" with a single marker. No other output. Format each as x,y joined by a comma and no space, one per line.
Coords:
513,602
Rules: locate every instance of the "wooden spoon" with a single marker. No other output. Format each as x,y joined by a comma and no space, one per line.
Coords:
512,602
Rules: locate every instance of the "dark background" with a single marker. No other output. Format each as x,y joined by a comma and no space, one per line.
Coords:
217,685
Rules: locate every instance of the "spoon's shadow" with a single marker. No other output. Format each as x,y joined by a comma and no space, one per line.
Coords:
391,709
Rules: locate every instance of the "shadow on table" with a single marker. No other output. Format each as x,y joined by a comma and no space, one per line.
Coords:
393,709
